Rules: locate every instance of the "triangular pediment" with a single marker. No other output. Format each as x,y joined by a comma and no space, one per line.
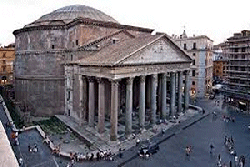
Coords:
162,50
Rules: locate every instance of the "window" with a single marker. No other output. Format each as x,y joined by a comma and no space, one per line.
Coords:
194,62
185,46
193,73
193,54
236,49
194,46
193,83
243,57
68,96
243,49
242,82
76,42
71,58
4,54
4,62
53,46
4,68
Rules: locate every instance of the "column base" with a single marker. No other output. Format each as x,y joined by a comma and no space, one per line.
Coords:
142,130
128,134
113,138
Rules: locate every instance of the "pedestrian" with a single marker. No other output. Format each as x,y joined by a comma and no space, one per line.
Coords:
91,157
235,159
71,156
242,161
230,164
188,151
232,140
211,148
98,156
138,142
225,139
120,153
20,161
16,142
35,149
29,148
219,158
219,161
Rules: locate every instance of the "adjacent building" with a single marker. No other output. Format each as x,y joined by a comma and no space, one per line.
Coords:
7,57
199,48
80,62
219,64
238,70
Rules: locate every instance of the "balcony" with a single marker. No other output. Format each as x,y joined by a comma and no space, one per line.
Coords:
238,53
240,39
239,77
238,46
237,71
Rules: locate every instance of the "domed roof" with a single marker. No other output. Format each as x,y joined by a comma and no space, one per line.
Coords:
69,13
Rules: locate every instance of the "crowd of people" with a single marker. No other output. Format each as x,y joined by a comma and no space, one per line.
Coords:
100,155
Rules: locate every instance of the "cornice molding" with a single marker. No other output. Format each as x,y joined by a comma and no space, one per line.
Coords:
84,21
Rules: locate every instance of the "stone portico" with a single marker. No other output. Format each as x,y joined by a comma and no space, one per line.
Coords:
143,86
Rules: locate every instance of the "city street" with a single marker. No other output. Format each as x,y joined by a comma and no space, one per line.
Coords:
199,137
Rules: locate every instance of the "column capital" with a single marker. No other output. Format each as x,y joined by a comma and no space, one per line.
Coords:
129,80
100,80
173,72
114,82
91,78
180,72
142,78
154,77
164,74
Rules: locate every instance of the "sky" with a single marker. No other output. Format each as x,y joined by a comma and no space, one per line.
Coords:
218,19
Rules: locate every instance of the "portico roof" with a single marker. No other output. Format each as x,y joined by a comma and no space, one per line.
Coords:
142,49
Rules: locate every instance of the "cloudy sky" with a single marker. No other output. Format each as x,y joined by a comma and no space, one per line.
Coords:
218,19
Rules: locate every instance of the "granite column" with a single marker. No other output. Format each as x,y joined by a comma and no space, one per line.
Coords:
142,102
114,110
129,106
172,94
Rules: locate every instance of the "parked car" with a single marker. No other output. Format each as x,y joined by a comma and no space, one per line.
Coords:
147,151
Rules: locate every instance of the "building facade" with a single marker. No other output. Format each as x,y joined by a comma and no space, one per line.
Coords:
7,57
199,48
219,64
238,70
94,69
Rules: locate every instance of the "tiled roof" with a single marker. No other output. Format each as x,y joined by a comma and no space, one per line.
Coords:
115,54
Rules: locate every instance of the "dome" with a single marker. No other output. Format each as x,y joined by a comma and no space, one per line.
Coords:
69,13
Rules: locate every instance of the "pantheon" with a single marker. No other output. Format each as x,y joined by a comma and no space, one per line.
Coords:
78,61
